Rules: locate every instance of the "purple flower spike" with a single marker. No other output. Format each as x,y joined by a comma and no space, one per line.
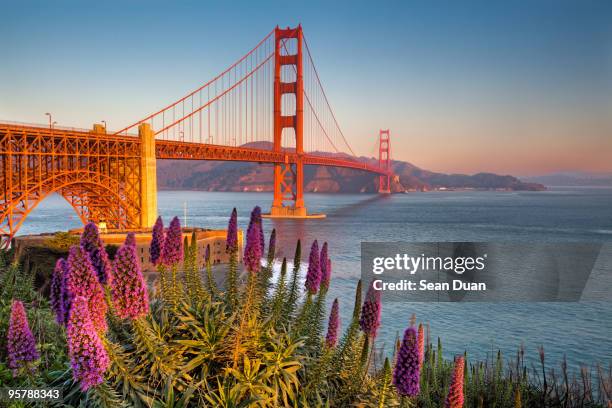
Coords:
255,222
328,271
331,339
252,250
87,353
324,262
207,254
157,241
172,252
91,242
20,343
313,276
407,369
130,239
58,280
231,242
370,312
130,295
82,281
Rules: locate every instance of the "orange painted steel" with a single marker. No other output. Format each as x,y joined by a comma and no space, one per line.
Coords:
289,175
166,149
99,175
384,161
110,178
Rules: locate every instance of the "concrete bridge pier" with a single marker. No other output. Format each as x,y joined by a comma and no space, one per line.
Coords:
148,176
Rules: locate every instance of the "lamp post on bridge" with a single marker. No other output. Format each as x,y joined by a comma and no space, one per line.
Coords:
50,120
103,121
53,124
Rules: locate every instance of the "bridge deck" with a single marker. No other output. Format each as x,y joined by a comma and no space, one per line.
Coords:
166,149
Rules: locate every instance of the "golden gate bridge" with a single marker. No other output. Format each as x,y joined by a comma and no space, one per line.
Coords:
267,107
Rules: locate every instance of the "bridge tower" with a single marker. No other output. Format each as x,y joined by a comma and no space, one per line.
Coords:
288,177
384,161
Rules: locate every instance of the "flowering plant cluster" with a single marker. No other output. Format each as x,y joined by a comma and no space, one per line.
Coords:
82,281
92,244
157,241
129,289
253,249
313,276
172,250
264,340
407,368
331,339
20,342
88,356
370,312
231,243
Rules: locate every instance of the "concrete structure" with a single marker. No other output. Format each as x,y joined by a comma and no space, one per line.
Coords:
148,176
214,238
204,237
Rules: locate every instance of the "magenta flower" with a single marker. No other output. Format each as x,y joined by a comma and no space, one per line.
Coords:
231,242
172,252
255,222
130,239
129,289
91,242
325,266
82,281
328,271
370,312
58,289
157,241
406,375
20,343
331,339
88,356
323,260
252,250
455,397
313,276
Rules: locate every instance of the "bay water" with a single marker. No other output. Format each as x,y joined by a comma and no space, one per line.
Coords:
580,330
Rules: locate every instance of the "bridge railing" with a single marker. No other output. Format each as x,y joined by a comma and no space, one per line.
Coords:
46,126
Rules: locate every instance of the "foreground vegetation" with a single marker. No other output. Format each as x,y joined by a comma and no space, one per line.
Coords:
109,341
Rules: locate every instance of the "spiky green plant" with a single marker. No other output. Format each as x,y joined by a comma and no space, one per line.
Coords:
210,280
280,293
290,305
232,281
185,357
192,279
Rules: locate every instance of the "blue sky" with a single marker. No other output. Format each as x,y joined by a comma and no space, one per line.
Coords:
511,87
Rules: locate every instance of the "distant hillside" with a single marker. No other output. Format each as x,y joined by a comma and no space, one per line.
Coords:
239,176
573,179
